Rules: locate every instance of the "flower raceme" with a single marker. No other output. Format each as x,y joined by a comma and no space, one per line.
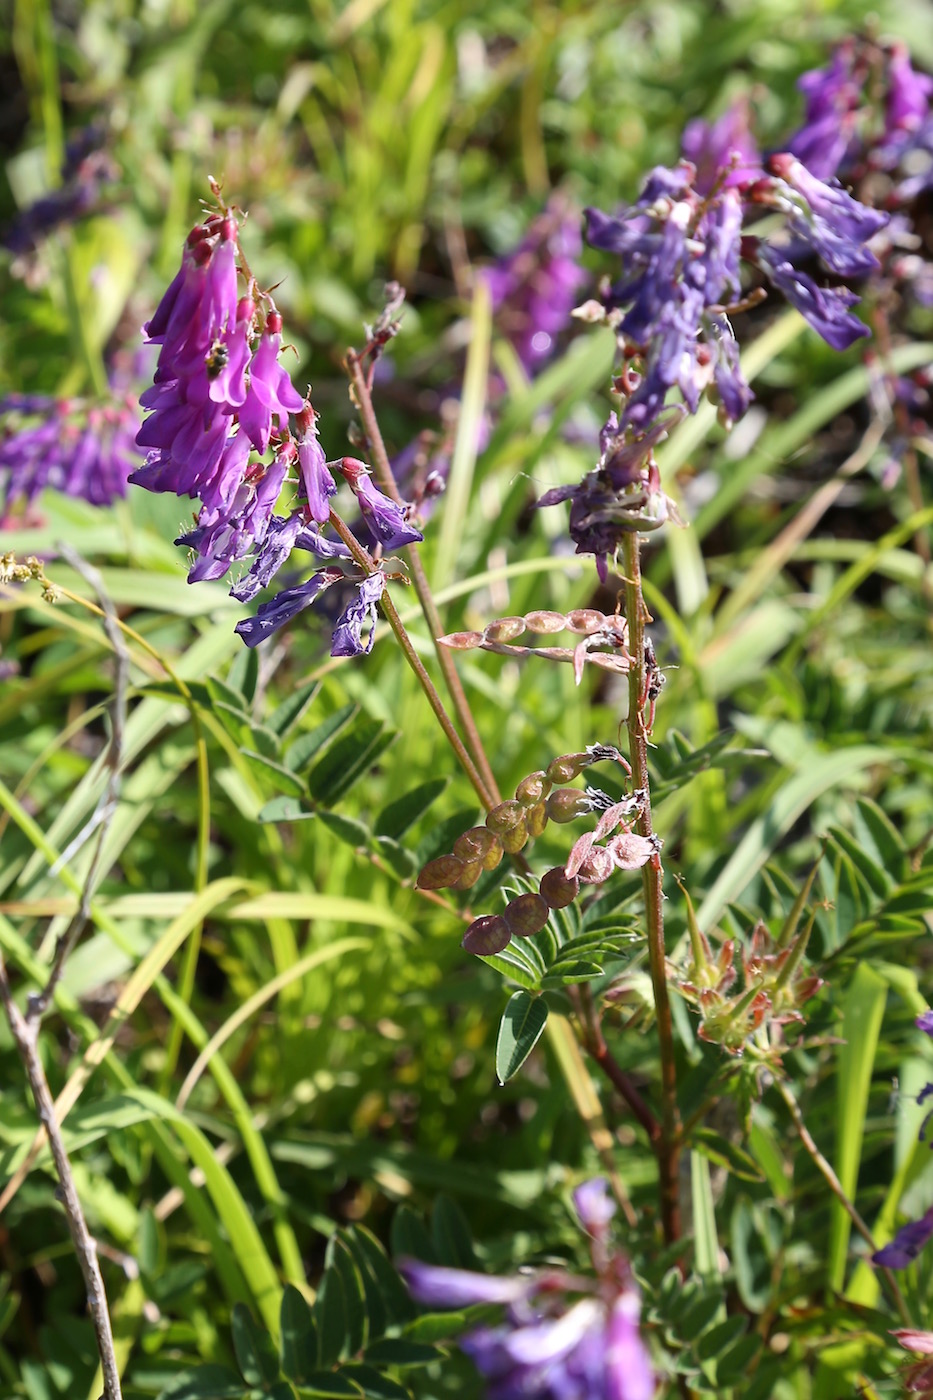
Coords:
227,427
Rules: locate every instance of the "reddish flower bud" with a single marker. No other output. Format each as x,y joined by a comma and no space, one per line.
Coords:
557,890
486,936
532,789
504,629
567,804
526,915
504,817
440,874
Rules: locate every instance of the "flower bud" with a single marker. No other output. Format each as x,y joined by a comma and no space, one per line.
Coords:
557,890
567,767
526,915
440,874
472,870
585,620
567,804
504,629
504,817
536,820
532,789
486,936
514,840
479,843
544,621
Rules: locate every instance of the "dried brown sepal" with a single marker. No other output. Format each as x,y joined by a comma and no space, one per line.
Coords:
629,851
526,915
567,804
486,936
479,843
461,641
514,840
536,820
532,789
472,870
543,622
505,816
504,629
556,890
440,874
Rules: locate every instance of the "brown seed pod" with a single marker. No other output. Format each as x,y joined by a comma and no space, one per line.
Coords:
472,870
504,817
557,890
479,843
567,804
504,629
544,621
440,874
585,620
567,767
536,819
531,789
486,936
461,641
526,915
514,840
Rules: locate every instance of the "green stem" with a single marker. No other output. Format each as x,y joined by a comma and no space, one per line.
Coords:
667,1146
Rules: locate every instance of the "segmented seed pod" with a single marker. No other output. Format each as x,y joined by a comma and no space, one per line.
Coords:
504,817
514,840
441,873
557,890
567,767
526,915
486,936
536,820
504,629
479,843
472,870
461,641
543,622
532,789
585,620
567,804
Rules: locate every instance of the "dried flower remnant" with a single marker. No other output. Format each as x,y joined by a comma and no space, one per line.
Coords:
549,1347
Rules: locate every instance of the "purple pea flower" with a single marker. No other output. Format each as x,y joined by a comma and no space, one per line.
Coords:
907,101
906,1245
825,308
386,520
836,226
832,98
271,393
284,606
348,633
725,152
316,480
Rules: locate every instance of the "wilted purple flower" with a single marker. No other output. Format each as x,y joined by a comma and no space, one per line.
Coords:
284,606
906,1245
833,224
348,633
386,520
535,288
230,531
81,449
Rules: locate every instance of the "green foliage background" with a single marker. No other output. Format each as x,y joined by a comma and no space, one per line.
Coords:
411,140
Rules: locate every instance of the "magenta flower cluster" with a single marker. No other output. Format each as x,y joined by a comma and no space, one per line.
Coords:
548,1347
228,427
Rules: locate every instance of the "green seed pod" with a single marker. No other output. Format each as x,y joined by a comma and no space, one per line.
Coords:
567,804
526,915
536,819
472,870
494,854
476,844
531,789
504,817
514,840
557,890
440,874
585,620
504,629
486,936
544,621
567,767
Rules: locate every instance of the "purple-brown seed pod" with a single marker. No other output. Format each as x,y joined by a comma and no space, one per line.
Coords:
504,817
567,767
486,936
557,890
526,915
543,622
585,620
536,820
472,870
479,843
504,629
440,874
514,840
567,804
532,789
461,641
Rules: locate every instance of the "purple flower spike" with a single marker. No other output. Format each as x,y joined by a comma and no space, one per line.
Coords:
284,606
535,288
594,1205
908,95
725,152
386,520
316,479
271,392
348,633
436,1287
906,1245
82,450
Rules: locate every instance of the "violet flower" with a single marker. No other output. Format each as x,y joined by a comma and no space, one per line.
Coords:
84,450
906,1245
833,96
387,521
535,288
284,606
347,639
725,152
548,1347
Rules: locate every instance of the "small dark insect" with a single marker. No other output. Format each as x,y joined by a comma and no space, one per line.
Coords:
216,359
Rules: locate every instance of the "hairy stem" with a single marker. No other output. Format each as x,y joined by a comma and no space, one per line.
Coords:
384,475
365,561
667,1145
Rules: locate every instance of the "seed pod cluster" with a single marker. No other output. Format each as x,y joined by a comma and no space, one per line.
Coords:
541,622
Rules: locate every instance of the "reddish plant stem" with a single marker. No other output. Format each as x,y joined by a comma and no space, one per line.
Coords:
667,1146
384,475
594,1042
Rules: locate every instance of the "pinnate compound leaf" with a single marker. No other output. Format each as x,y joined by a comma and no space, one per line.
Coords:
275,773
330,1318
286,715
348,759
308,746
395,819
398,1351
256,1355
284,809
333,1384
451,1234
205,1383
299,1338
523,1021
